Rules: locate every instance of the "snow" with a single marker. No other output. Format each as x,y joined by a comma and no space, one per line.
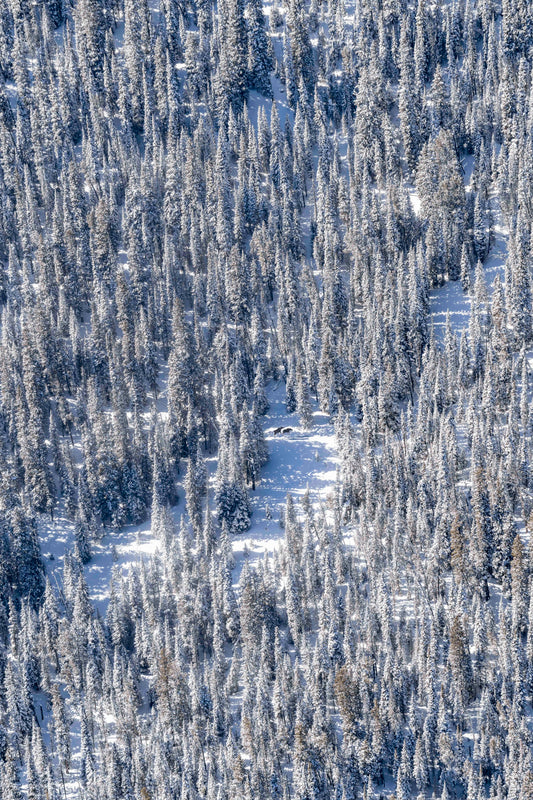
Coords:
256,101
299,460
123,548
415,201
118,35
450,297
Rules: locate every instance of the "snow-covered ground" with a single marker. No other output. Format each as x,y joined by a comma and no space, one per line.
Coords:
123,548
299,460
451,298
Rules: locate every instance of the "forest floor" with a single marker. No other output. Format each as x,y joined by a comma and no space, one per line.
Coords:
300,460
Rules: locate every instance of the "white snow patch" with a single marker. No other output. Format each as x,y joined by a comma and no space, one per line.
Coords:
299,460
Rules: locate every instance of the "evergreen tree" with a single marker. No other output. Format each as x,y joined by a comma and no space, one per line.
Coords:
259,55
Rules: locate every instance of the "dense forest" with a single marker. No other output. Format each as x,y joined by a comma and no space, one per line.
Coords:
202,202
